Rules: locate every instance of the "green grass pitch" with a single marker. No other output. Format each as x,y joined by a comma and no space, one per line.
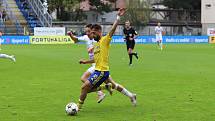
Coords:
177,84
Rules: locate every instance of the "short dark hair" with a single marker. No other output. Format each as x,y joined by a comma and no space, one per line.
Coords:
89,25
97,27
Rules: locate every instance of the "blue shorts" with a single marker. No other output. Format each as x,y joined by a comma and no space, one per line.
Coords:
98,77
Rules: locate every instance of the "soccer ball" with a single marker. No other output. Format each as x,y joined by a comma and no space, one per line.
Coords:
71,109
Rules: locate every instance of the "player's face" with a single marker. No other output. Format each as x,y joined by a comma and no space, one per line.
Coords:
127,24
159,24
87,31
96,34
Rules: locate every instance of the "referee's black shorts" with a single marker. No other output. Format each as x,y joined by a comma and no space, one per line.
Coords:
130,44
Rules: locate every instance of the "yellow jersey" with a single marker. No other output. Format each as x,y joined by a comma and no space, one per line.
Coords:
101,53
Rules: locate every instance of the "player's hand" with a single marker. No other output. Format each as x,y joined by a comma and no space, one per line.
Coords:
124,39
70,33
82,61
121,11
90,50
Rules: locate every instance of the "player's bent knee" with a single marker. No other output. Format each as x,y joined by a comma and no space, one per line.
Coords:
83,79
129,51
85,85
116,86
86,88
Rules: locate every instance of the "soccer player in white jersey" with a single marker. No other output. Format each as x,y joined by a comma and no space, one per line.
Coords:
158,32
11,57
89,42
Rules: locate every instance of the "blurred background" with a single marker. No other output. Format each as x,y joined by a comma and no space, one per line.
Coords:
178,17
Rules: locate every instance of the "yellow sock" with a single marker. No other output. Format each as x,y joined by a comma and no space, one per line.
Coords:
101,87
80,103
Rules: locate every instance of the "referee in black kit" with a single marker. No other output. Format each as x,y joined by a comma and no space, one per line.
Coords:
130,35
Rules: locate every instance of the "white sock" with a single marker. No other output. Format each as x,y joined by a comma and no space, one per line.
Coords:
5,56
99,93
126,93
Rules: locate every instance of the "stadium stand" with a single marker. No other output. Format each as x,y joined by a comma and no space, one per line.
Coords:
29,15
23,16
12,24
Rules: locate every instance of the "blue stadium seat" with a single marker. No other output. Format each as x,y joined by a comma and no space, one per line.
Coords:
29,14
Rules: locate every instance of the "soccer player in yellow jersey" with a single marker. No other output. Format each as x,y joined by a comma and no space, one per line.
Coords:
101,57
89,42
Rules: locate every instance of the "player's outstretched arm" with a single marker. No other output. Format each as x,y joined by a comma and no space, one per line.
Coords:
86,61
120,13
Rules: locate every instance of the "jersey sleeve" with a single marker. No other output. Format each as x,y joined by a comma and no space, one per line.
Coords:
107,39
135,32
83,38
124,31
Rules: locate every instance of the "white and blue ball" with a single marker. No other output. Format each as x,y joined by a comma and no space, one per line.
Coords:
71,109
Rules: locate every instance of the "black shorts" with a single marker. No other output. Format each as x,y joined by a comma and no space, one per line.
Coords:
130,44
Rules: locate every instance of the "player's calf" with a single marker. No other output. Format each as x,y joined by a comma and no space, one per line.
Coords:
85,88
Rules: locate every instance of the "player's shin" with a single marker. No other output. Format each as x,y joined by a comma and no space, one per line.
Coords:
126,92
135,54
130,95
4,56
130,57
161,45
80,103
158,43
84,90
81,99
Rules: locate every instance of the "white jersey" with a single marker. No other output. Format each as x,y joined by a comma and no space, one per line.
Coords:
87,40
89,44
158,31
